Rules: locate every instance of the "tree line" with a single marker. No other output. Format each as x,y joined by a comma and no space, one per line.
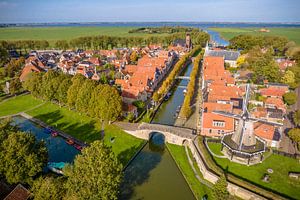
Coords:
186,110
100,101
103,42
23,159
164,29
164,88
247,42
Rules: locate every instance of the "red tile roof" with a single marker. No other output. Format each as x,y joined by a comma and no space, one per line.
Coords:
208,119
265,131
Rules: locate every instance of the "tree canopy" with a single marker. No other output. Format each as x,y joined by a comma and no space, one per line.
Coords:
96,174
219,191
290,98
22,157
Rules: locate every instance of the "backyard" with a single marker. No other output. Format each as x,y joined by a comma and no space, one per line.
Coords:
279,179
290,33
79,126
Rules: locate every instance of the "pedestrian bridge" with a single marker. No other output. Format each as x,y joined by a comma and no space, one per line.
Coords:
173,134
183,77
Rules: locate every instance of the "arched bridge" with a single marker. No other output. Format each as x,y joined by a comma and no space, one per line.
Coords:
174,135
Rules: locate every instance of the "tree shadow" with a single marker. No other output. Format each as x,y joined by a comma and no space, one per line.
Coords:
84,131
138,172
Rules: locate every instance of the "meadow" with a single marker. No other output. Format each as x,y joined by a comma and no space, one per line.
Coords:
52,34
291,33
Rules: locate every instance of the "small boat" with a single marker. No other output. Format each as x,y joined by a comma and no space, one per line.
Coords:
78,147
178,109
168,96
54,134
70,141
184,91
56,167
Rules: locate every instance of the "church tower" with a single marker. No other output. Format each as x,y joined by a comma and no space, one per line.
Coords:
188,42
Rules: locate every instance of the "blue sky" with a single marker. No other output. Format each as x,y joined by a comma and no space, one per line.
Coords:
14,11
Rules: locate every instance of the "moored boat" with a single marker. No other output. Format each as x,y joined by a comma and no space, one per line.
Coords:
70,141
78,147
56,167
54,134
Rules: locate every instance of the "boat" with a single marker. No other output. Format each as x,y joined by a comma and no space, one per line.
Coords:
70,141
78,147
54,134
168,96
56,167
178,109
184,91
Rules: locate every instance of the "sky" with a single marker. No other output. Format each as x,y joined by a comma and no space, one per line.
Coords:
37,11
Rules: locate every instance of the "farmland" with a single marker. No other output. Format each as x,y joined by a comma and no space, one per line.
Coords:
290,33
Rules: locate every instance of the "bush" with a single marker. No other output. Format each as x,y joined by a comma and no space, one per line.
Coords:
290,98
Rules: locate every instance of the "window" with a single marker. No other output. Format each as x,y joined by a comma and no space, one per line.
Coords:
219,123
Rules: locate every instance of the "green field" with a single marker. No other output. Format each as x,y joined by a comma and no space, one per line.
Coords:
178,153
279,180
52,34
18,104
291,33
79,126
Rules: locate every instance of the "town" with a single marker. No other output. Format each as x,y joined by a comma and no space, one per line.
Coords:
149,110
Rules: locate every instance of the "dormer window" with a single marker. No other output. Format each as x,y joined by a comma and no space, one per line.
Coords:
218,123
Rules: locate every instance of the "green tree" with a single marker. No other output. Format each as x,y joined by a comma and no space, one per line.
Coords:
22,157
96,174
290,98
219,191
48,188
133,57
62,44
288,78
294,134
62,91
84,95
296,118
3,56
73,90
33,83
15,86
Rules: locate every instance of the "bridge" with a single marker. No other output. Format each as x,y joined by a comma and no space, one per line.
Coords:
173,134
182,86
183,77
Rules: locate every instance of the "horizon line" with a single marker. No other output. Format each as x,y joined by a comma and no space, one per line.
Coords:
163,21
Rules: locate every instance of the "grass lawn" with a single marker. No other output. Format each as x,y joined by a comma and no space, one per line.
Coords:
64,33
279,180
18,104
181,159
291,33
215,148
87,129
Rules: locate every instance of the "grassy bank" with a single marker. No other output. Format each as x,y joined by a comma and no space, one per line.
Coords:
18,104
64,33
279,180
79,126
291,33
178,153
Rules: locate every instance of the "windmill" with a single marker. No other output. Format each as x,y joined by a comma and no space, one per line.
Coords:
243,139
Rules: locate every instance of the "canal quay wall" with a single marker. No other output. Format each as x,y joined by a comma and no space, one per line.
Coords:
233,189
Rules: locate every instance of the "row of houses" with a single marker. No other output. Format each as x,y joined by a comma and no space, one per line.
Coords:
222,93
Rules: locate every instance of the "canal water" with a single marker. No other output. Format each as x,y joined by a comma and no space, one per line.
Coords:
215,36
153,174
58,149
167,111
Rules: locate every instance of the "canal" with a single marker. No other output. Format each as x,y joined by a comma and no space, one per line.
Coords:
58,149
153,174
